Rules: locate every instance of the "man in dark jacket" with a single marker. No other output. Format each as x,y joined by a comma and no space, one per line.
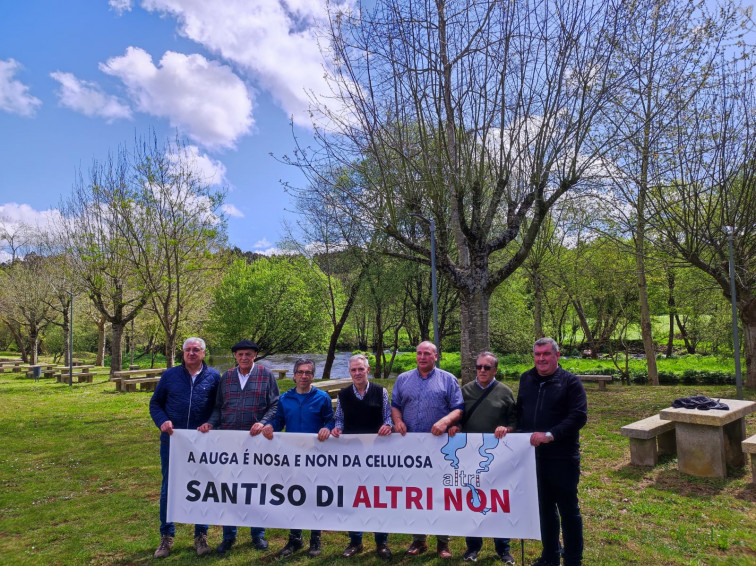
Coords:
551,404
183,399
247,399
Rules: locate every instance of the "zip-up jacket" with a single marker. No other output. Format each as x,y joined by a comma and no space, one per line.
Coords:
555,404
304,413
175,398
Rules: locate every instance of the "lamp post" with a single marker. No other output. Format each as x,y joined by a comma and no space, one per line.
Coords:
70,342
432,225
730,230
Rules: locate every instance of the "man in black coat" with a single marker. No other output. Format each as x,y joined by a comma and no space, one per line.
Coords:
551,404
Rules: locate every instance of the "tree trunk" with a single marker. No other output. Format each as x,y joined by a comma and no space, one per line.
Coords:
537,306
689,346
100,358
645,314
116,354
748,318
474,335
586,328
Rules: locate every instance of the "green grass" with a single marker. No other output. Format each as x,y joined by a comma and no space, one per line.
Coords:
80,480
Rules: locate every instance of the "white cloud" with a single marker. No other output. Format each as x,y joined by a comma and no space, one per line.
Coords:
14,95
87,97
275,40
209,170
202,98
24,225
231,210
264,243
120,6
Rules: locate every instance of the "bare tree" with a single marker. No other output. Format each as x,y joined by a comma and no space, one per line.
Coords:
479,114
713,191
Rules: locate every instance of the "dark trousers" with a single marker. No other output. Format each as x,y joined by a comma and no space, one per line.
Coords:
501,545
167,528
297,533
355,538
558,501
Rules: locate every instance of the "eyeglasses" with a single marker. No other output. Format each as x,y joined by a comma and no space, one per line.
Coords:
482,366
300,372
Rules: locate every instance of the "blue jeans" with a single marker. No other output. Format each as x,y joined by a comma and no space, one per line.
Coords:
501,545
167,528
230,532
558,501
355,538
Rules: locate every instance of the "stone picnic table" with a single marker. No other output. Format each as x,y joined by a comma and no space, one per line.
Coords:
709,441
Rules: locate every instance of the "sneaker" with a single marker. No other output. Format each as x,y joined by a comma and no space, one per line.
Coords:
291,547
506,557
470,556
259,543
166,544
201,546
314,547
225,545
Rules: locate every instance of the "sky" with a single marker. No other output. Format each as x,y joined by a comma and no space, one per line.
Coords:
80,78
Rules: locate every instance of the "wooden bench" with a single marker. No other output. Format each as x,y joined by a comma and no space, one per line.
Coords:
122,379
648,439
749,447
602,380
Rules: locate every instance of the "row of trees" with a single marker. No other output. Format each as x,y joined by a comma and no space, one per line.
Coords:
532,133
490,117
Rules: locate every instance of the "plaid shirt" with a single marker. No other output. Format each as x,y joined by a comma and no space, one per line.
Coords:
239,409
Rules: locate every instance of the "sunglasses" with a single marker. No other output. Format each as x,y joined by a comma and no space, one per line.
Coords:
485,367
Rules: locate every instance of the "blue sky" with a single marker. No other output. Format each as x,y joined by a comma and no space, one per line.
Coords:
80,77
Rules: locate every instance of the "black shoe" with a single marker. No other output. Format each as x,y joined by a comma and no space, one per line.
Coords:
225,546
470,556
314,547
383,551
507,558
352,550
259,543
291,547
542,562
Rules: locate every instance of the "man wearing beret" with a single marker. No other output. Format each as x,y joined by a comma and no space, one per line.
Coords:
247,399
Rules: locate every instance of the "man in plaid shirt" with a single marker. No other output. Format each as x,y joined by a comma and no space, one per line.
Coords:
247,399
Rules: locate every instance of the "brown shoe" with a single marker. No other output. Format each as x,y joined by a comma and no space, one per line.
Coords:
417,547
443,551
352,550
166,544
383,551
201,546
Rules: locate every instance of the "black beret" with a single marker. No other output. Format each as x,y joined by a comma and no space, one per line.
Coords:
245,345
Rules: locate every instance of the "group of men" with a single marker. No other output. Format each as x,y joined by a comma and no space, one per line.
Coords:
551,406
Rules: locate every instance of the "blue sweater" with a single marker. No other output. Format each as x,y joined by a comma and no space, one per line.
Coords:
304,413
175,398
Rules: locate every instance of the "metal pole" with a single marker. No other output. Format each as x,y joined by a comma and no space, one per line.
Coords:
70,343
735,339
433,286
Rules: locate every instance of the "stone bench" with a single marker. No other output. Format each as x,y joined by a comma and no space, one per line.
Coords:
648,439
602,380
749,447
145,384
81,376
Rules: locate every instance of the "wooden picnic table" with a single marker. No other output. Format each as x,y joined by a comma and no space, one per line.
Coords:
709,441
332,386
602,380
81,373
146,378
45,369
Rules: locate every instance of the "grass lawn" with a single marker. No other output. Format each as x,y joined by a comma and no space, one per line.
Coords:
80,480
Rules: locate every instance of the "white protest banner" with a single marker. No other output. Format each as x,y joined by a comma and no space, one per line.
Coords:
467,485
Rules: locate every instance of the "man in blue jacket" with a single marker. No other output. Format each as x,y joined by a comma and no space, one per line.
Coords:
183,399
551,404
303,409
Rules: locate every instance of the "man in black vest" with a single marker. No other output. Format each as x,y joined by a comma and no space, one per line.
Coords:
363,408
